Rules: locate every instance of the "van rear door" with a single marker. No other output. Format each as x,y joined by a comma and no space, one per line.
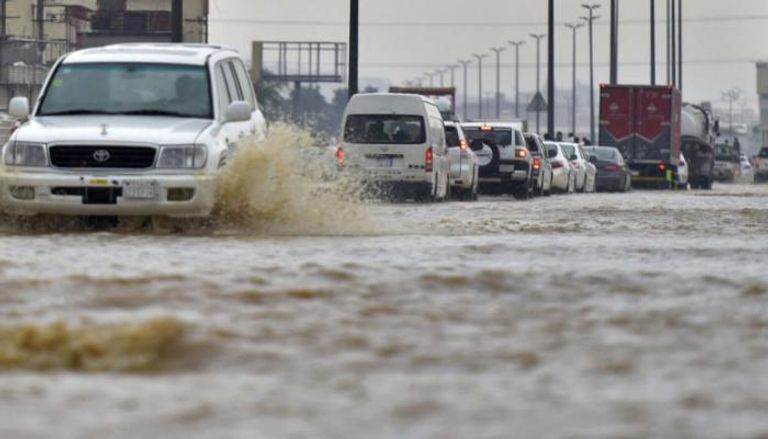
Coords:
387,142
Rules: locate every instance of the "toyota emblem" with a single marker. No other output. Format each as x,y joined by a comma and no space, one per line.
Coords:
101,155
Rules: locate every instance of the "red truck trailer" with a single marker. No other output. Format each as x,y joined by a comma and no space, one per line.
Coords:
643,122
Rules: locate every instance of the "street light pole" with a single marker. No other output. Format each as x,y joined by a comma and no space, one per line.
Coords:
431,77
354,31
538,38
574,28
464,64
497,51
480,82
614,42
442,77
591,19
517,45
680,42
452,68
551,70
653,42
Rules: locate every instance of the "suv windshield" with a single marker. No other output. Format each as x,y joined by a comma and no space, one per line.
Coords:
129,88
499,137
384,129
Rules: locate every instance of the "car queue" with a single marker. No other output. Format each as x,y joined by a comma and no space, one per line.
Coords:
401,145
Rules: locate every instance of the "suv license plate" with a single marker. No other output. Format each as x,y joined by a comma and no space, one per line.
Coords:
141,189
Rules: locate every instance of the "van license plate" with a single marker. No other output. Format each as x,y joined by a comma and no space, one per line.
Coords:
141,189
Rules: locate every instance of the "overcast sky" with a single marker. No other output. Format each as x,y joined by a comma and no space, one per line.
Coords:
402,39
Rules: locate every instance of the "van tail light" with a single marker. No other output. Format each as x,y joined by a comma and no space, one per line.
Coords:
537,163
521,153
557,164
429,160
662,167
463,144
341,156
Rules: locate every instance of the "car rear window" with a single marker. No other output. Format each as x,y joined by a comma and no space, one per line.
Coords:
603,154
452,136
532,145
389,129
500,137
568,150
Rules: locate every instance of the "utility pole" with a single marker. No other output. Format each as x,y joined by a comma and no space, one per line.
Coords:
673,28
452,68
480,83
551,69
680,42
538,38
517,45
614,42
574,28
3,18
731,96
591,19
653,42
464,64
177,21
354,38
498,51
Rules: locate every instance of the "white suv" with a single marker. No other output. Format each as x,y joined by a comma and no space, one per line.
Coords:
131,129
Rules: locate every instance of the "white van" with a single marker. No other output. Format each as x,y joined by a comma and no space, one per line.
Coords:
130,129
397,142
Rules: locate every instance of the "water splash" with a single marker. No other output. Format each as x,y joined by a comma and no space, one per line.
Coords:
285,185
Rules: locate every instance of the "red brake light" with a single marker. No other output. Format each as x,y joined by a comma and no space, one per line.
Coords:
613,167
486,128
521,152
662,167
341,156
429,160
463,144
537,163
556,164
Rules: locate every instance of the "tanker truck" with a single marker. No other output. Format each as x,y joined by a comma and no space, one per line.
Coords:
698,134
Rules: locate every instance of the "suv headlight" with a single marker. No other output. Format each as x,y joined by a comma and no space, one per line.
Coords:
182,157
26,154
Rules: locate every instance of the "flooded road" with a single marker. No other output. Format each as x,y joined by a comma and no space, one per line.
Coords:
583,316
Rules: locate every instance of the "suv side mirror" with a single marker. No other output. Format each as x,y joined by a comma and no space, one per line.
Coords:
238,111
18,108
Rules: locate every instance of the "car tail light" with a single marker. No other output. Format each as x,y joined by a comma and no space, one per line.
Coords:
521,153
463,144
557,164
537,163
341,156
613,167
429,160
486,127
662,167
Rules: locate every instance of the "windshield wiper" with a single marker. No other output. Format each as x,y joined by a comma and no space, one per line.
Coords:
157,113
75,112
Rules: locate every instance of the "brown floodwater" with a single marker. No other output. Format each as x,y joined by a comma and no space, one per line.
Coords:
302,315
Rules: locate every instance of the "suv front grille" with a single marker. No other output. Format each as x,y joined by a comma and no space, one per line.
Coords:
127,157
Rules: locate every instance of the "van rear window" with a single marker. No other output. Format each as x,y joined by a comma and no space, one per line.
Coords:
452,136
390,129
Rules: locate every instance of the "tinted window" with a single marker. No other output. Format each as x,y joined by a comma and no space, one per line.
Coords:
604,154
384,129
452,136
499,137
236,81
122,88
764,153
245,82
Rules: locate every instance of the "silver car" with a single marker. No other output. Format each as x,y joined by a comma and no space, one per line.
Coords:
464,167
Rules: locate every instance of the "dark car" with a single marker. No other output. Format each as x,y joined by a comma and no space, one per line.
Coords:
612,171
542,168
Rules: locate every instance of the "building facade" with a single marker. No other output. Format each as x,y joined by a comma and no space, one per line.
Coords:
35,33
